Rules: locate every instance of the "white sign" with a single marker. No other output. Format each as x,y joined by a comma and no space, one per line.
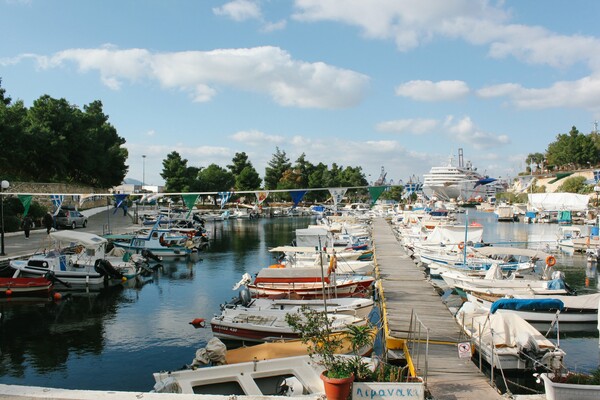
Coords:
464,350
387,390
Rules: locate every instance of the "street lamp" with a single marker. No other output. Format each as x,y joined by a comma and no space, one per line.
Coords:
143,171
4,186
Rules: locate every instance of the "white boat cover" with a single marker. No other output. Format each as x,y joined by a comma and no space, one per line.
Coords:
289,273
494,250
454,234
310,237
558,201
78,237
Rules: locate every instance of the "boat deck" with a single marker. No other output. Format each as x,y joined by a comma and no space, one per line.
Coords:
404,290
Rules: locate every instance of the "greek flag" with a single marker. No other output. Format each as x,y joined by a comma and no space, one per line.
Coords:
597,175
225,196
57,200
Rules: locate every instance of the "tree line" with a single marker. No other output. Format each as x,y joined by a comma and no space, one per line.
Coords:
571,150
280,173
54,141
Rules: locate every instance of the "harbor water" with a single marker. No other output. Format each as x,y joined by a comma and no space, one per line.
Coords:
115,339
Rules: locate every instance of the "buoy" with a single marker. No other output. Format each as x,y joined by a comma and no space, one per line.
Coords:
550,261
198,322
57,296
8,292
124,279
461,245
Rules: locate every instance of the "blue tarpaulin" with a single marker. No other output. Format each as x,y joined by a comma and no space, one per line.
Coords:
527,305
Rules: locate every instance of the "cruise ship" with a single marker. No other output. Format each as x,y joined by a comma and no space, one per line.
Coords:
459,182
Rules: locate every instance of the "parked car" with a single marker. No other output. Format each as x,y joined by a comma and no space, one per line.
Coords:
71,219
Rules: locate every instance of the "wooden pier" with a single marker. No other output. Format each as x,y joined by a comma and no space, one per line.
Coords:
405,292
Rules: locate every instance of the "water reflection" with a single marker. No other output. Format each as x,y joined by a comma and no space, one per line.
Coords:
29,331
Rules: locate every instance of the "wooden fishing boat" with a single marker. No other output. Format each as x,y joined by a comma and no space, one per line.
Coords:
25,286
306,283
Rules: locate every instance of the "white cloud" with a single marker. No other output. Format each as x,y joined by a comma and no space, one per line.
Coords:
239,10
274,26
415,126
256,138
268,70
465,131
504,89
433,91
582,93
151,133
479,22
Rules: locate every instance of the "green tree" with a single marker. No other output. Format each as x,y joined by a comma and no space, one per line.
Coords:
246,176
575,184
572,150
275,169
248,179
216,179
175,173
534,158
393,193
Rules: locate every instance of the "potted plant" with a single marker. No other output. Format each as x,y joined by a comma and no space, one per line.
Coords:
325,346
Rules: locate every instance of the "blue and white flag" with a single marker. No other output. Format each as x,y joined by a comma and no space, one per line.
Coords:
597,175
337,194
225,196
57,200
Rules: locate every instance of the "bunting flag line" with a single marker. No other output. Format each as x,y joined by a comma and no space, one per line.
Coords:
225,196
57,200
337,195
297,196
375,192
261,196
26,201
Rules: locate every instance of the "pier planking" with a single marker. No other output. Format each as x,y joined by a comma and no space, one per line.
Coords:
405,289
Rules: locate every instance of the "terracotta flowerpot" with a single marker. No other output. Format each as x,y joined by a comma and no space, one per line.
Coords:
337,388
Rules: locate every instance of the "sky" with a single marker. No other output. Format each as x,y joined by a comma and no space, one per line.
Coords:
396,85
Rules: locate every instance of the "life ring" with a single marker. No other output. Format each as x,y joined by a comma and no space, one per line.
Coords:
461,245
550,261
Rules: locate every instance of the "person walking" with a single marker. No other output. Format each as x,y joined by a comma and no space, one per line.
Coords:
27,225
48,222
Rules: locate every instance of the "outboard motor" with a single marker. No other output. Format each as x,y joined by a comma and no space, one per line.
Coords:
147,254
104,267
245,296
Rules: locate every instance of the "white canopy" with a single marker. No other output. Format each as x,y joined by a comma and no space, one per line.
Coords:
558,201
78,237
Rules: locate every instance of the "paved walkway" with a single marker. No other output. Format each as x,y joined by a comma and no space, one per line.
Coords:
100,220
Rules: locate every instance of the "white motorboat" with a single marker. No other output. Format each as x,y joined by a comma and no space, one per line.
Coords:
260,324
506,341
291,376
572,313
494,282
347,262
78,259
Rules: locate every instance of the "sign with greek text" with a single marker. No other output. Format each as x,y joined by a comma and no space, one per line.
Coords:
387,390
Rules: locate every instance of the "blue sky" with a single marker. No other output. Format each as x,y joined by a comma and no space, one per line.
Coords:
392,83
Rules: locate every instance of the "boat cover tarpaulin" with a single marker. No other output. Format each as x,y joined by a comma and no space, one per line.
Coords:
454,234
312,237
497,251
558,201
527,305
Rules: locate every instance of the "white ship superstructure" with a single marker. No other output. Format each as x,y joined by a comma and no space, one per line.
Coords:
458,182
